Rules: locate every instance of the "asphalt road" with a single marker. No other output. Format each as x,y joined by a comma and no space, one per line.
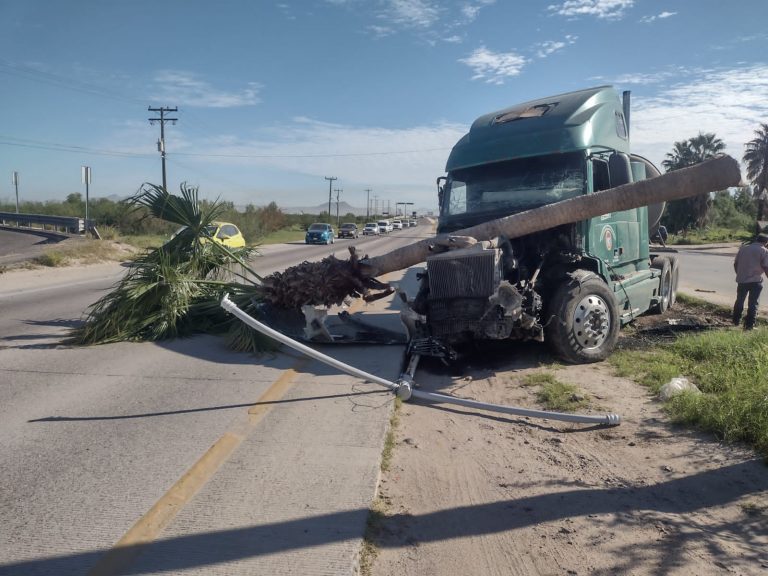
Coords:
225,462
708,274
17,246
184,456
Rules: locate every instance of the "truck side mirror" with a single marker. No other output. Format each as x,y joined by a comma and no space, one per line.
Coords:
620,169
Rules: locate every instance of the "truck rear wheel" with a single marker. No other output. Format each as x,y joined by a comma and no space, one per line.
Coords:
666,296
584,319
674,262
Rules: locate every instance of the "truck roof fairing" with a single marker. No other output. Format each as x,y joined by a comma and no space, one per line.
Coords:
563,123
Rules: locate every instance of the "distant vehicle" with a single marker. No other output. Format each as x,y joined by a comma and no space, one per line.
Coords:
412,223
371,229
226,234
397,224
319,233
348,230
223,233
385,227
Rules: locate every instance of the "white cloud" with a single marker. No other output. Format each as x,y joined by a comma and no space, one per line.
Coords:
642,79
604,9
661,16
551,46
494,67
187,89
380,31
413,13
729,102
470,11
387,160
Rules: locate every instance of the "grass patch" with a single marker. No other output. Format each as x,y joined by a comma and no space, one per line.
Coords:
374,524
389,439
144,242
730,367
710,236
539,379
292,234
378,512
556,395
82,251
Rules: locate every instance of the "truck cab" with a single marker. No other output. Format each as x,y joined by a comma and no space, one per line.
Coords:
574,285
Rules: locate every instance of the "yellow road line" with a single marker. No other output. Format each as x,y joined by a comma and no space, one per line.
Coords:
149,526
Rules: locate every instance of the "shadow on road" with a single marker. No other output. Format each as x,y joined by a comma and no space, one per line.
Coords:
675,497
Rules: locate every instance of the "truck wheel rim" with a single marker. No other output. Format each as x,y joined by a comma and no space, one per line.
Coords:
591,322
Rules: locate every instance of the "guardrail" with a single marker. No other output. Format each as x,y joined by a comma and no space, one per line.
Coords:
68,224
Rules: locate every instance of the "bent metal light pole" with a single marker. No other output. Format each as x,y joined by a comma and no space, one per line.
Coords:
403,388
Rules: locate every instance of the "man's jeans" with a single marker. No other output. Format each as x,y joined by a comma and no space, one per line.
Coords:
752,289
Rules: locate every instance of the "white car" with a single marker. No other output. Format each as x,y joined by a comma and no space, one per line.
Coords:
384,227
371,229
397,224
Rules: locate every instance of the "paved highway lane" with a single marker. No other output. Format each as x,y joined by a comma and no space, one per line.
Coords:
709,275
229,463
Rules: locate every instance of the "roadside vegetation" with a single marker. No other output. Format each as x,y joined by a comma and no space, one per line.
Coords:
84,251
123,221
380,508
730,368
555,395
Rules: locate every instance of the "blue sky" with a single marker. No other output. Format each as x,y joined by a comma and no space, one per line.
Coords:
274,96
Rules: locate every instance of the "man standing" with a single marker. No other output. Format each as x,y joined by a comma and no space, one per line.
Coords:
750,264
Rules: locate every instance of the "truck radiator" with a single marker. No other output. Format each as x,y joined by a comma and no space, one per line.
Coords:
467,273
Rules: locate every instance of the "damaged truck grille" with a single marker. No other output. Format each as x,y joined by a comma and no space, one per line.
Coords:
463,274
460,283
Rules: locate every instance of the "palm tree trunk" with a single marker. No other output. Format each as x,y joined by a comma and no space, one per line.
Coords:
716,174
304,284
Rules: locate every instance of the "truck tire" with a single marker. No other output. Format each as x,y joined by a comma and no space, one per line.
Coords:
665,284
675,263
583,323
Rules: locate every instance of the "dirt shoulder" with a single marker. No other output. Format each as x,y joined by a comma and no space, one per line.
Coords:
474,493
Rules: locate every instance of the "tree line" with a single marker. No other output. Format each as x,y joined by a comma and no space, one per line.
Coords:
737,210
255,222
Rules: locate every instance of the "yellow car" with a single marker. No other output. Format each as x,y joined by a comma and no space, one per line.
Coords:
226,234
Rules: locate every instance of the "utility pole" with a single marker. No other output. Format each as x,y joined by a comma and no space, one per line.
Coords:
161,142
15,182
368,205
337,206
86,177
330,192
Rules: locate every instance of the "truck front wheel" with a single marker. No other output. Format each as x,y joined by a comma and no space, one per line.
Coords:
583,325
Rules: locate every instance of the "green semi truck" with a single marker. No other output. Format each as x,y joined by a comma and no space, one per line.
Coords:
572,286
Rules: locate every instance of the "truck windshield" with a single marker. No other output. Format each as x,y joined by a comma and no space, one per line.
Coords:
515,185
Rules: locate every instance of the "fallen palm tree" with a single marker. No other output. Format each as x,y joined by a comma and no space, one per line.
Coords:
175,289
294,287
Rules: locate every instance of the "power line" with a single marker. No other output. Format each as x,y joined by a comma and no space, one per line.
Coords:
29,73
339,155
26,143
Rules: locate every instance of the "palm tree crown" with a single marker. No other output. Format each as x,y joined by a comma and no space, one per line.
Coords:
756,160
693,211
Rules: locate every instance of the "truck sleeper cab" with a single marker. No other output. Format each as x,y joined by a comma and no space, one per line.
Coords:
574,285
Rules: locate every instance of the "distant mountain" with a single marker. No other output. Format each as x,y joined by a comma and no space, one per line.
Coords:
344,208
